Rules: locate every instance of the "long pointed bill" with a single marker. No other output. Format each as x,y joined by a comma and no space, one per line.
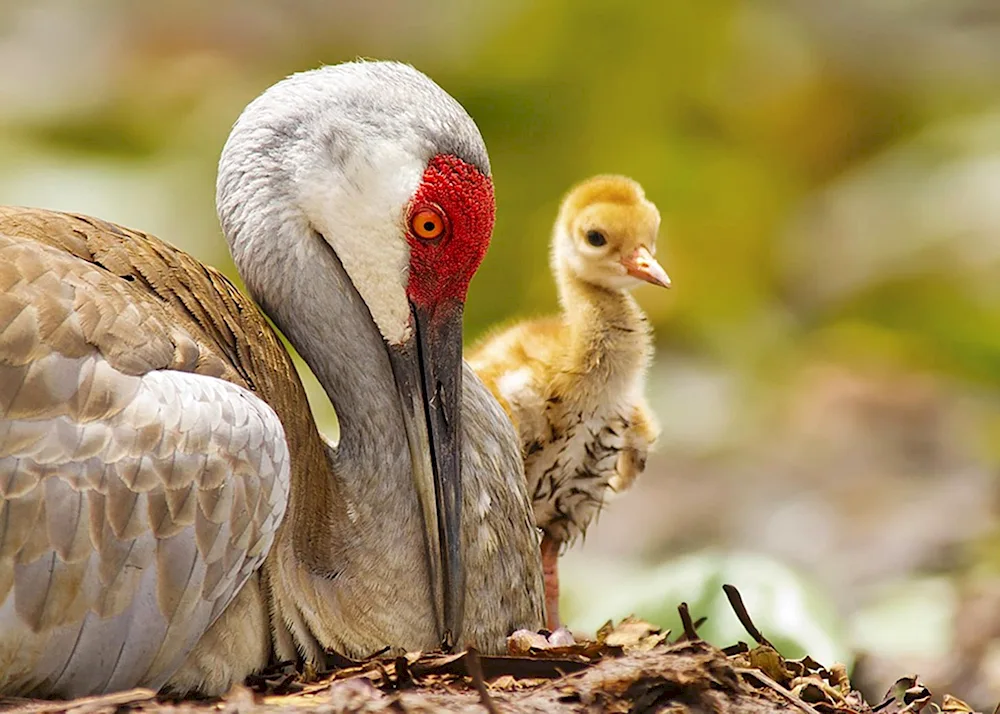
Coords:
642,265
428,372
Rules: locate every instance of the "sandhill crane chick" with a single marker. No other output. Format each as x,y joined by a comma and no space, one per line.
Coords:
573,383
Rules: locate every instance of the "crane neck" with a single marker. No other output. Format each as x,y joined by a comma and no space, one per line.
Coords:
316,306
336,536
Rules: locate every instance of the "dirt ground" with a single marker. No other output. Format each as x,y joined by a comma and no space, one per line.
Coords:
631,667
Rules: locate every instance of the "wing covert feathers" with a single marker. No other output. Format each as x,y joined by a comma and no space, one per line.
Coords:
144,467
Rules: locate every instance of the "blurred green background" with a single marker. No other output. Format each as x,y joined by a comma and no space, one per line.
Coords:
828,361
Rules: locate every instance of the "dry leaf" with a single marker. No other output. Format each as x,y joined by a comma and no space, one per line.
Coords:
523,641
561,638
954,704
770,663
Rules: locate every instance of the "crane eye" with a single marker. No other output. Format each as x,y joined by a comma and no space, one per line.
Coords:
427,223
596,238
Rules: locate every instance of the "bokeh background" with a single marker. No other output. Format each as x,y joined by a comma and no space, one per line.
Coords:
828,362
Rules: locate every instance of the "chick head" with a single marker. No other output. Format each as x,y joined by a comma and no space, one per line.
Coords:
606,234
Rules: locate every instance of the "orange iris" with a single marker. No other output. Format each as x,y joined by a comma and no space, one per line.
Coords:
427,223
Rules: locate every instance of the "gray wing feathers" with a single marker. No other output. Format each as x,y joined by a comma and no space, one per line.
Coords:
122,538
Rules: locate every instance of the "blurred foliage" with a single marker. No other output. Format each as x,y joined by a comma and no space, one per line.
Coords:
784,606
829,177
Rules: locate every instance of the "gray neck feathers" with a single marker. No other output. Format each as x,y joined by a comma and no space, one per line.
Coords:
299,282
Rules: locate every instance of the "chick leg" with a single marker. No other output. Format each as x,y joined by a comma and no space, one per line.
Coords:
550,569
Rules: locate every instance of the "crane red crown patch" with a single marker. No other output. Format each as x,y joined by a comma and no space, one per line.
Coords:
442,267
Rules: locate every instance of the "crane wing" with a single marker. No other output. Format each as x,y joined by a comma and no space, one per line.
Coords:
141,481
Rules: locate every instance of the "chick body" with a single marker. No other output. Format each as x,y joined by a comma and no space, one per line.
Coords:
573,384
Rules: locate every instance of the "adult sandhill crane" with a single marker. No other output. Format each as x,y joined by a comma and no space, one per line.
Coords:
154,434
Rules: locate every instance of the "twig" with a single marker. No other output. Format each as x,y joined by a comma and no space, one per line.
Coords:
384,671
767,681
284,685
403,674
690,631
736,601
115,699
475,670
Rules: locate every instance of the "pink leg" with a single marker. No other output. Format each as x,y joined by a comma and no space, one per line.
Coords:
550,569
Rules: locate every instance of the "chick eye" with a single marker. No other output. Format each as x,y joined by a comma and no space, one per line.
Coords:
596,238
427,223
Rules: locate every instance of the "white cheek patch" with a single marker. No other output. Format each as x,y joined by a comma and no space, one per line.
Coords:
361,214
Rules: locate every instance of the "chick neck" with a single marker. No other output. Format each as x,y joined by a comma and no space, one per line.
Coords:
608,334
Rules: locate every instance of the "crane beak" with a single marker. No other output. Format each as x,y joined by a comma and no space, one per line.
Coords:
642,265
428,373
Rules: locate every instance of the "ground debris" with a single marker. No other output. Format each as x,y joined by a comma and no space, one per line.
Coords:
629,667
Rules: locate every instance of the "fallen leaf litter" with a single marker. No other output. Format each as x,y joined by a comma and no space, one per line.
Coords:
629,667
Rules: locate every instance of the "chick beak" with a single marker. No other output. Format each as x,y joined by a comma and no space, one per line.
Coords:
642,265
